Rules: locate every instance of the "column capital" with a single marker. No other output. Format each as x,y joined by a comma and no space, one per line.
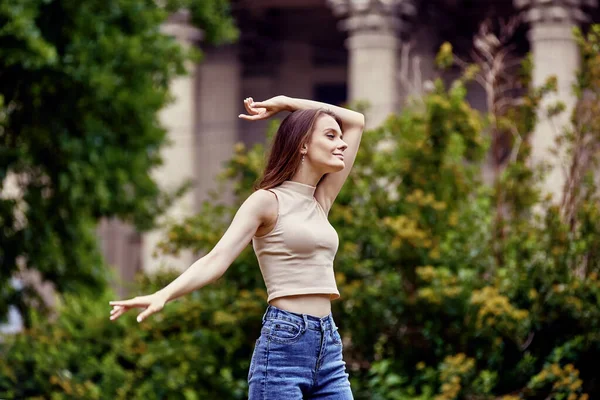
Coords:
561,11
385,16
180,27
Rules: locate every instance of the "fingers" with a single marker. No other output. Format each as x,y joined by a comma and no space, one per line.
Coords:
151,304
251,117
117,312
146,313
135,302
257,117
247,102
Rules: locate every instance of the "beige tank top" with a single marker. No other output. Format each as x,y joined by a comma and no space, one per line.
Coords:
296,257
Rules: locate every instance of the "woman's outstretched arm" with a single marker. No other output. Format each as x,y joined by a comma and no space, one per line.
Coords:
260,208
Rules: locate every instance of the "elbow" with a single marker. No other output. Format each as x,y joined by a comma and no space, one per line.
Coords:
216,263
358,121
355,121
361,120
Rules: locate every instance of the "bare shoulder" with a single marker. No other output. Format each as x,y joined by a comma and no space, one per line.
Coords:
264,204
263,197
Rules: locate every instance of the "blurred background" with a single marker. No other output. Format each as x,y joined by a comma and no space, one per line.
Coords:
469,228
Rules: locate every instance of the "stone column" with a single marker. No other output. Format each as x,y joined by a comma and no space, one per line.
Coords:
219,104
178,118
373,43
555,53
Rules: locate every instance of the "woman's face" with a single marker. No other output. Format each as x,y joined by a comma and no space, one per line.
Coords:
325,151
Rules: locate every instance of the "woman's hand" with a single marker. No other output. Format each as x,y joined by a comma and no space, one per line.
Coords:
151,304
265,109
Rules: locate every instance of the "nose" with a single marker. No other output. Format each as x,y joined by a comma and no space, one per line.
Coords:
343,146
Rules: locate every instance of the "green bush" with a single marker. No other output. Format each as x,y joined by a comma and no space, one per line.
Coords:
197,348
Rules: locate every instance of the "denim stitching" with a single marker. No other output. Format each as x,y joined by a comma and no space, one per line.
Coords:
264,391
275,338
334,339
255,354
325,321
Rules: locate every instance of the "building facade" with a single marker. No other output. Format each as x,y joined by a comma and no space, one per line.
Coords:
333,51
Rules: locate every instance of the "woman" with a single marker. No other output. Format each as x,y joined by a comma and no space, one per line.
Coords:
299,352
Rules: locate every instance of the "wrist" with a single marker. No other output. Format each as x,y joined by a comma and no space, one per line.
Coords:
289,103
164,295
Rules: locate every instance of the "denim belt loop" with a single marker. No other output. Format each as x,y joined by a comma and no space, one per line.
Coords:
264,318
305,317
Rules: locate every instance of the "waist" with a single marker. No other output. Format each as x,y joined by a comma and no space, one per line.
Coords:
302,320
317,305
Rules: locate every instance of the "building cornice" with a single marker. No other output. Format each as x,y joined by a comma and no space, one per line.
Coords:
567,11
385,16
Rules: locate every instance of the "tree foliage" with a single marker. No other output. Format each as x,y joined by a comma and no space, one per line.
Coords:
82,83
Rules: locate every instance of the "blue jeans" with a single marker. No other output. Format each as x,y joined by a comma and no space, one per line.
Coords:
298,356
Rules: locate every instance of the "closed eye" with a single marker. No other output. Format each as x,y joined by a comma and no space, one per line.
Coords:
331,136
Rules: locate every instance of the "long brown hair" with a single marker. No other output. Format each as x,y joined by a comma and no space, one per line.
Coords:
284,158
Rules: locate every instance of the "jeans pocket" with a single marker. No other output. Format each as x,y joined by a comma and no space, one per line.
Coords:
284,331
335,337
253,360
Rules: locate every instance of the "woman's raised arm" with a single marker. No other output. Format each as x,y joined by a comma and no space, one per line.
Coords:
258,209
353,124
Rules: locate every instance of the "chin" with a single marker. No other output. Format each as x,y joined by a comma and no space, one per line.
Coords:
331,168
338,167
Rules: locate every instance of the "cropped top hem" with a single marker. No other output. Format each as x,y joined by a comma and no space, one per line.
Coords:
334,293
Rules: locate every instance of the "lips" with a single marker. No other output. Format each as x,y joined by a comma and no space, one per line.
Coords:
340,156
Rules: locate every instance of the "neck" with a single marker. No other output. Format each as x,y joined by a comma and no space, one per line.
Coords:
307,176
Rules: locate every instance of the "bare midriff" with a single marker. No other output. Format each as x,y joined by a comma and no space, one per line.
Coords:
318,305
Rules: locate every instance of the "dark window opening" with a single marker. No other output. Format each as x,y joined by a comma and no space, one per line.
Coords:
331,93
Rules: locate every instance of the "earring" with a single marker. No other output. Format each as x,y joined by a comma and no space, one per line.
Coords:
302,158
